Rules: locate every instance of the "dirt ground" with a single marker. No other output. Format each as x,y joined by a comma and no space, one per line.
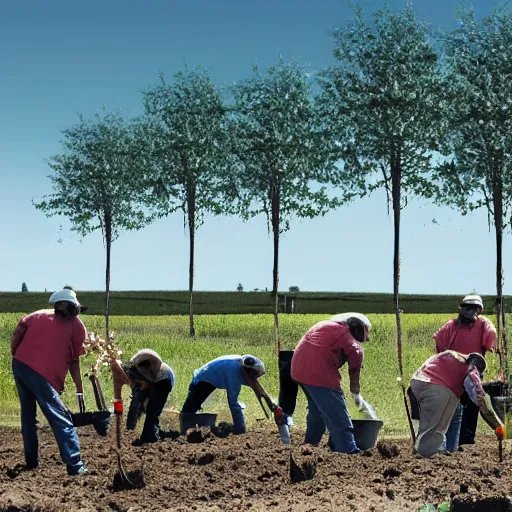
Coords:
252,472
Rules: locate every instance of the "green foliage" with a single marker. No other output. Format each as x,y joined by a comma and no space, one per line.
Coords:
442,507
164,303
185,132
384,101
96,178
24,288
277,136
478,72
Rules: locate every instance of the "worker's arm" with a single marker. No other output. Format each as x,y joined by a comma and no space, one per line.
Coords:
354,376
120,377
74,371
473,386
442,336
489,336
18,335
354,355
233,390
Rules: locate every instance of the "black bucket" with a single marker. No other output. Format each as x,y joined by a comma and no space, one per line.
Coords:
366,432
99,419
500,399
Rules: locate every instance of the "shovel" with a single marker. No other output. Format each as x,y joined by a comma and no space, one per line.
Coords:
279,416
120,378
118,411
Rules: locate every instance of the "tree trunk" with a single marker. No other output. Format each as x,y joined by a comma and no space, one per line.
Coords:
396,195
191,212
276,200
500,311
396,186
108,244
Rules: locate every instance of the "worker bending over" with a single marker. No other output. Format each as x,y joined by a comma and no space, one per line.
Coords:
438,385
229,372
325,348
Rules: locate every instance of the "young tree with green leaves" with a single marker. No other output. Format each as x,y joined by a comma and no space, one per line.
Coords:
97,184
385,106
277,135
189,156
478,172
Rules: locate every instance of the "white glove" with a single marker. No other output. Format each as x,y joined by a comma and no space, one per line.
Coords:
358,399
364,407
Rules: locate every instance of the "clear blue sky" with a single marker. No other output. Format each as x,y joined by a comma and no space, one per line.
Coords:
61,57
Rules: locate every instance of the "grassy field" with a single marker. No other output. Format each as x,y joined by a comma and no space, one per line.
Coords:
239,334
152,303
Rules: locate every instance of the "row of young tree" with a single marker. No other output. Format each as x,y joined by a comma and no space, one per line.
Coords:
404,109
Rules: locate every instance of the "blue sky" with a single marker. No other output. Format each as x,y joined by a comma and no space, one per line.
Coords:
61,57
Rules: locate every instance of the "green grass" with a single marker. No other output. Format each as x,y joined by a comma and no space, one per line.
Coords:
151,303
239,334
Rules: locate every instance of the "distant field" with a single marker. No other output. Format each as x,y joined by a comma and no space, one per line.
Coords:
240,334
154,303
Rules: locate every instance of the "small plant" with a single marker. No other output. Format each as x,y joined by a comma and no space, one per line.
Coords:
94,344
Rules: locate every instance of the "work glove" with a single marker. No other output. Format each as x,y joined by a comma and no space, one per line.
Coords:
364,407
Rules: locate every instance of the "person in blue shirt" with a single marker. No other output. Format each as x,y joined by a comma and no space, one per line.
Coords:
229,372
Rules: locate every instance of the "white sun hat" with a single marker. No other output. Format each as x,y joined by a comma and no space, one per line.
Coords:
65,295
472,300
344,317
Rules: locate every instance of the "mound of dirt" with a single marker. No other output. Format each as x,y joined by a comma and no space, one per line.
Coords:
388,450
252,472
222,430
198,435
303,469
135,481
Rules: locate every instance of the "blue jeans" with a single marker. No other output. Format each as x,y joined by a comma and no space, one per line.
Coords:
327,409
453,432
34,388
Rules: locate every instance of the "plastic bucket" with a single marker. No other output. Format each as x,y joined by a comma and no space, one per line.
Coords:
366,432
189,420
99,419
503,407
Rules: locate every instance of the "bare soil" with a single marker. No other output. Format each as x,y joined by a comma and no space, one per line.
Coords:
251,472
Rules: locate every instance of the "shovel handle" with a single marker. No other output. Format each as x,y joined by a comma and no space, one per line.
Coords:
98,393
263,407
80,401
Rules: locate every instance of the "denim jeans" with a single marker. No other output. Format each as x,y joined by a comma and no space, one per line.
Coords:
34,388
327,409
453,433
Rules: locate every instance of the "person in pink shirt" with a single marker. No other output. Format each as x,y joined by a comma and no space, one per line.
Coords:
469,332
315,366
45,346
438,385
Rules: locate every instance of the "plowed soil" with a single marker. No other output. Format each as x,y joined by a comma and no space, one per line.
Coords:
252,472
